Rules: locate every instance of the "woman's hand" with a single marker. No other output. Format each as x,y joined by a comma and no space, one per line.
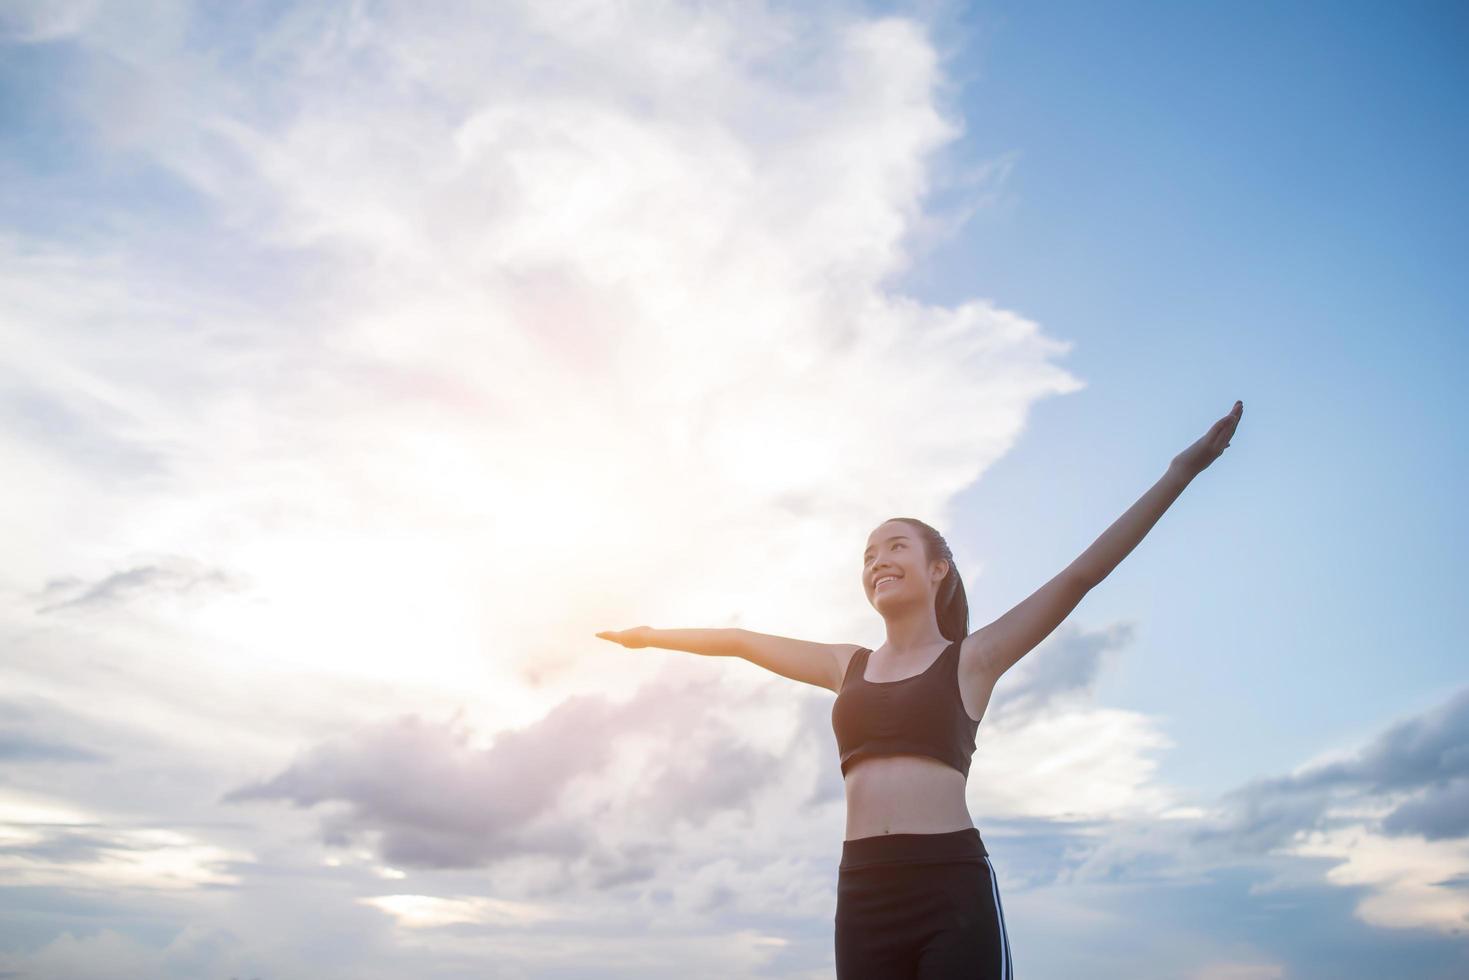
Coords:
1196,458
638,636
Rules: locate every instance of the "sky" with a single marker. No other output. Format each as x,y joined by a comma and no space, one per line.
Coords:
362,360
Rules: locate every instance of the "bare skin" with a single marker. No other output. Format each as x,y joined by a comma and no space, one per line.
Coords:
913,794
909,794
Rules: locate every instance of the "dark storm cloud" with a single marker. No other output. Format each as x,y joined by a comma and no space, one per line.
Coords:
439,802
171,574
1428,754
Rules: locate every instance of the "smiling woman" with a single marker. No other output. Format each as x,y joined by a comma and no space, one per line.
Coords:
917,894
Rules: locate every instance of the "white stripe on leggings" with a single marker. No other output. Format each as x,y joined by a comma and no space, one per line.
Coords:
1005,968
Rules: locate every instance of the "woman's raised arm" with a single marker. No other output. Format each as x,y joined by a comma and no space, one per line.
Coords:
1014,634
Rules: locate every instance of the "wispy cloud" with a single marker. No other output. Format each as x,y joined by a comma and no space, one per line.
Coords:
39,731
170,575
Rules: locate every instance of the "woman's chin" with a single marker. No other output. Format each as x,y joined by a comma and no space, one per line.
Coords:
883,602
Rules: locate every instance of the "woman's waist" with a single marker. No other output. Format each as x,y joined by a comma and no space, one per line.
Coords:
924,811
950,847
906,794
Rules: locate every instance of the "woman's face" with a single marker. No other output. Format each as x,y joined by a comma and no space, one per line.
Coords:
895,554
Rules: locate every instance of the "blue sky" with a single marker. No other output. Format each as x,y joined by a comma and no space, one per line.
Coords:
362,363
1258,197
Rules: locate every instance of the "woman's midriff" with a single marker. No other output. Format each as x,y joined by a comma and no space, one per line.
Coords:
904,794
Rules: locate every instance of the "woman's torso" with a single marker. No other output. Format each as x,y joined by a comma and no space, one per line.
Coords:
912,794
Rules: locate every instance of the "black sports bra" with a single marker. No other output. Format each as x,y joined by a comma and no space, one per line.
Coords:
919,715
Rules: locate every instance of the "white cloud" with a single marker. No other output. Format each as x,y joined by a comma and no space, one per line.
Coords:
1085,762
154,858
33,21
1412,880
428,911
563,302
587,302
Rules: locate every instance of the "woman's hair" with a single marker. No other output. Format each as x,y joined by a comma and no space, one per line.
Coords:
950,605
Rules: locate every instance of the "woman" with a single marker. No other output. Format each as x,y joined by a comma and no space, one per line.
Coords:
916,893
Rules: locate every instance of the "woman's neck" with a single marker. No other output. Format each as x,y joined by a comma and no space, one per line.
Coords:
913,633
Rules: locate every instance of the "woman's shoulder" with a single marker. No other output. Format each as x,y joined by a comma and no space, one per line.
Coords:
846,653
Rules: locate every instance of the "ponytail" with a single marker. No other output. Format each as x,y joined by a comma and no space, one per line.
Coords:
950,605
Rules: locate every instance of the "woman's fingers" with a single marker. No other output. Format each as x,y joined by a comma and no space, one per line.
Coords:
632,638
1231,422
1224,428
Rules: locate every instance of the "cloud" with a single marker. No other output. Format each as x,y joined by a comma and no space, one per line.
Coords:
1409,881
438,802
155,858
452,268
1441,812
35,21
170,575
1045,748
1427,749
66,423
428,912
39,731
20,747
1066,666
1417,766
1384,817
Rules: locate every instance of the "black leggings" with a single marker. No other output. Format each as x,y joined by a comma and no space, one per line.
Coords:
920,907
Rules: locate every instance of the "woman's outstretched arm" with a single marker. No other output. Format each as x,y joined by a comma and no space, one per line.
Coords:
1016,633
706,642
799,660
